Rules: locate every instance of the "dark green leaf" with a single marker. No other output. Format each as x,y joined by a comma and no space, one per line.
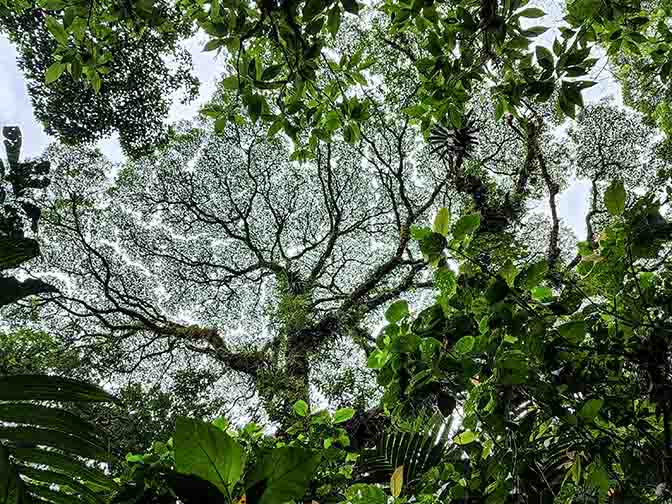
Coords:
281,475
397,311
466,225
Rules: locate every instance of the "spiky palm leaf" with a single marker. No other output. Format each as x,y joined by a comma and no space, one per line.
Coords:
416,450
47,454
454,142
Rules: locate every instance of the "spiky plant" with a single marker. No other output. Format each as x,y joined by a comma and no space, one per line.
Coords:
455,143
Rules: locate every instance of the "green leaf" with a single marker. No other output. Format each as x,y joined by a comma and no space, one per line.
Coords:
50,388
465,344
591,408
442,222
281,475
230,82
466,225
361,493
542,293
271,72
57,30
220,124
96,83
334,20
466,437
533,275
397,311
213,44
202,450
509,272
574,331
311,9
343,415
301,408
544,57
583,9
614,197
54,72
377,359
531,12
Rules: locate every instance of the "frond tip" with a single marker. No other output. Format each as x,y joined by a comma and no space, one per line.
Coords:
454,142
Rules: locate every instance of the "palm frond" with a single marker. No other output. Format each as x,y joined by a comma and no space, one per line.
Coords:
48,454
416,450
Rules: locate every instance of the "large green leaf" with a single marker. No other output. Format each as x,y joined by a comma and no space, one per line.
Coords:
50,388
614,198
282,475
205,451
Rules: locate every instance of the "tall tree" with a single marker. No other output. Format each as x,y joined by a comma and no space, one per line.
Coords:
78,112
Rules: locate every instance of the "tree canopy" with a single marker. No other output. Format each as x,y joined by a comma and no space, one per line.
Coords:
349,278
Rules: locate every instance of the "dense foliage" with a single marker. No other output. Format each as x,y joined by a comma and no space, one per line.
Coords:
335,284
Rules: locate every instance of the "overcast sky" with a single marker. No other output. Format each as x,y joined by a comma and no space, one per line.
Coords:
16,108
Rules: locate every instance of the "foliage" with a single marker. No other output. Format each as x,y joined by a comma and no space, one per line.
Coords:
558,373
80,113
41,445
19,207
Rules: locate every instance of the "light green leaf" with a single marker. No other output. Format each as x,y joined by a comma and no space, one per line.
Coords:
301,408
614,198
466,437
542,293
205,451
465,344
57,30
442,222
397,311
343,415
466,225
95,81
377,359
54,72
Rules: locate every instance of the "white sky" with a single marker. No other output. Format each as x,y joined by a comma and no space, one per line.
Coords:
16,108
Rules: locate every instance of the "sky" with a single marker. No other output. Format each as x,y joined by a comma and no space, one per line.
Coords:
16,108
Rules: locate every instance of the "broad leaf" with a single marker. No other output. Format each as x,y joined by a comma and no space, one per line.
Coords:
205,451
614,197
397,311
442,222
281,475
